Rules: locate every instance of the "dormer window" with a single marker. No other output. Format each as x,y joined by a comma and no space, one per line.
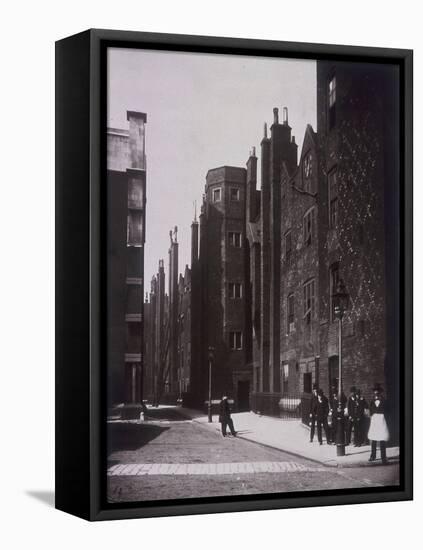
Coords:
307,166
308,172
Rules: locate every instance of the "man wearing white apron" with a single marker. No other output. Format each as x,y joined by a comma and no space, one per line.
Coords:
378,430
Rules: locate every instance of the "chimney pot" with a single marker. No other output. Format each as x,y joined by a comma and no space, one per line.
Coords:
275,115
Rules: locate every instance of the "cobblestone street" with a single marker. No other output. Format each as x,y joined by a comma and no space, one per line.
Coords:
172,457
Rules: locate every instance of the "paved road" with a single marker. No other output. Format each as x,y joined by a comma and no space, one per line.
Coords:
171,457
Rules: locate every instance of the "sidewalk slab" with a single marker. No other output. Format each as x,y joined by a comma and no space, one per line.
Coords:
292,437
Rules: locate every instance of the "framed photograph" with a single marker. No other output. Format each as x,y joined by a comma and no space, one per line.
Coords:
233,275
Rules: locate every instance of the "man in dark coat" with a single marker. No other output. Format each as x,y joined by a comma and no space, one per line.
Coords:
312,422
225,417
321,410
352,420
333,410
362,407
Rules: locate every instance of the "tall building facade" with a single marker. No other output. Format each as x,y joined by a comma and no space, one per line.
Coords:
156,348
314,222
358,119
126,200
222,270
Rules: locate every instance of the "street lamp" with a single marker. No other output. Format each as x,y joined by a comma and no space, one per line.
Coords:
340,301
209,406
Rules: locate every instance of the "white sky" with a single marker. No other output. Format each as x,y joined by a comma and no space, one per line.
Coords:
203,111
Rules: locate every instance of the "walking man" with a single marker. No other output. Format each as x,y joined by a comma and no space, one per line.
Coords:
225,417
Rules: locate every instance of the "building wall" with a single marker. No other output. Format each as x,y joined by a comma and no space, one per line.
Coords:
299,339
184,332
222,264
354,147
357,140
126,195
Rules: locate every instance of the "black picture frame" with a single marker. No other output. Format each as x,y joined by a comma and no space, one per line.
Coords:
80,286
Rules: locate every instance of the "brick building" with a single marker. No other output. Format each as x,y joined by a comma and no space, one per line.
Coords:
184,333
265,262
126,199
329,216
358,119
299,283
222,287
156,322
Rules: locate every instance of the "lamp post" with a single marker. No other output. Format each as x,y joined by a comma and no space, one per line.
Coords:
209,406
340,301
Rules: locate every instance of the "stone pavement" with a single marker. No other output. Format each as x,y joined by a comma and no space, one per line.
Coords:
291,436
221,468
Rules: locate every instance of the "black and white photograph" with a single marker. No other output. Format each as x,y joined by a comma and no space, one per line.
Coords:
253,275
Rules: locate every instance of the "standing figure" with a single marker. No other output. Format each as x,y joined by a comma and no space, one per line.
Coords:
333,407
378,431
352,417
225,417
321,411
362,407
312,422
333,411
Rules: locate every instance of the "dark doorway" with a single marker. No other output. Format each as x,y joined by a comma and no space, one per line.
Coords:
243,395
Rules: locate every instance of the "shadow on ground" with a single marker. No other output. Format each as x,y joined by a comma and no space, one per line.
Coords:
46,497
130,437
167,413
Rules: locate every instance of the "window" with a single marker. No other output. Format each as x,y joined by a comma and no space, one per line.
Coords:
308,227
235,290
217,195
333,284
235,340
285,377
290,314
134,227
332,102
234,239
308,290
234,194
333,199
307,171
288,247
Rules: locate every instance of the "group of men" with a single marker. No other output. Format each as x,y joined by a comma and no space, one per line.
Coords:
325,413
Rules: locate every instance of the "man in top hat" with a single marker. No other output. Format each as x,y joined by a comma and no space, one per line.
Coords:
321,410
352,417
333,410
